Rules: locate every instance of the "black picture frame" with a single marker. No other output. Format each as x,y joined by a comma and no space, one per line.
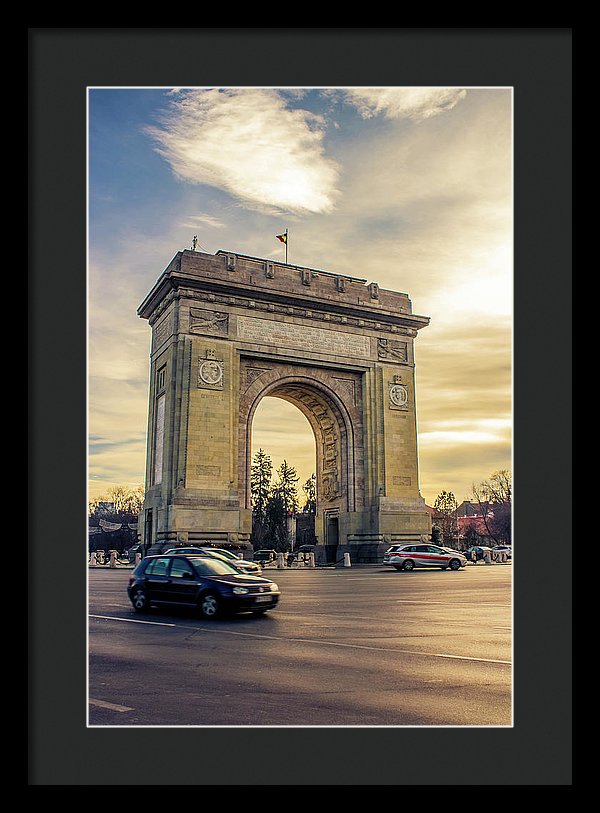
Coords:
537,63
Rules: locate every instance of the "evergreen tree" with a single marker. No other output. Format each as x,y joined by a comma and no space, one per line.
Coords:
285,487
276,524
310,489
445,506
260,483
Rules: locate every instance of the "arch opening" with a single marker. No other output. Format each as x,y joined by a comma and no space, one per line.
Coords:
283,432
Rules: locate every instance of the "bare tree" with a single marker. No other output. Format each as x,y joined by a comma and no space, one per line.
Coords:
494,498
121,506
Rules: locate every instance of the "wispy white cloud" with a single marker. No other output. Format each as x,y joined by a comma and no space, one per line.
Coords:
207,220
249,143
404,103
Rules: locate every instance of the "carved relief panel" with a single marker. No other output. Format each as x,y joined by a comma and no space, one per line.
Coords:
210,371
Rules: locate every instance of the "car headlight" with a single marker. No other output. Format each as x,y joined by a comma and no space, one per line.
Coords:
274,587
240,590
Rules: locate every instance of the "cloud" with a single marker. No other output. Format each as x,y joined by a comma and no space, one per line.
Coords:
207,220
248,143
404,103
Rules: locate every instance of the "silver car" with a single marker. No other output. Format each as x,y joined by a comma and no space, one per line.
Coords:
409,556
218,553
242,564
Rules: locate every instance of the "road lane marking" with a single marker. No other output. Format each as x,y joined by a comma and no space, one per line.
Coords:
449,603
112,706
316,641
134,620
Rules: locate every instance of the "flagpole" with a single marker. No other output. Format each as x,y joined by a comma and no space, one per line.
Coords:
286,246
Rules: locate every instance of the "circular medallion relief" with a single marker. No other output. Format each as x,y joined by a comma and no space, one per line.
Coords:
211,372
398,395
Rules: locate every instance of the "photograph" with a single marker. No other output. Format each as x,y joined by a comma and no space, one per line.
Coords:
300,406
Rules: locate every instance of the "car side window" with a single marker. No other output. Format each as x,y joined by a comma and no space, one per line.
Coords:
410,549
422,548
180,569
433,549
159,567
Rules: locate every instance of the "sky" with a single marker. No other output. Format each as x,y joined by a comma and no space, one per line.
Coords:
407,187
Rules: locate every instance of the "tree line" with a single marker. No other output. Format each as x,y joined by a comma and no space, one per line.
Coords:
492,501
275,502
119,507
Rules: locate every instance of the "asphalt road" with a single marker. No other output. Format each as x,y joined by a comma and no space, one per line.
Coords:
360,646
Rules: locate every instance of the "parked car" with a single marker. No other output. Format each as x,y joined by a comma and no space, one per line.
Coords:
478,552
242,564
219,553
506,549
189,550
131,552
207,583
409,556
301,554
265,556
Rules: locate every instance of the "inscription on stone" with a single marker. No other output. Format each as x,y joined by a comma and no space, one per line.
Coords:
211,471
301,337
162,331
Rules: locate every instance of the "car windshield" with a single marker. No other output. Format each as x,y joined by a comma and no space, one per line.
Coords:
213,567
217,554
225,553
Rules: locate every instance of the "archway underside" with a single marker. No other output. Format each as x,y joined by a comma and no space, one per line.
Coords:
328,401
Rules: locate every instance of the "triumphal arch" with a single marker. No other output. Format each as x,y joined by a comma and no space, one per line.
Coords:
229,330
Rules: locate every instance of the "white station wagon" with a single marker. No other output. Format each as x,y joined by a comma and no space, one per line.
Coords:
409,556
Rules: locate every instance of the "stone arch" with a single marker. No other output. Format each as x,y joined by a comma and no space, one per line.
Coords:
229,329
328,400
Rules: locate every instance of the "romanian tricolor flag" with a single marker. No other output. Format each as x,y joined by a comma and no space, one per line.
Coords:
282,237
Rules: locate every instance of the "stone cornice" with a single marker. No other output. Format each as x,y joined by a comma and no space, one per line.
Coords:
192,284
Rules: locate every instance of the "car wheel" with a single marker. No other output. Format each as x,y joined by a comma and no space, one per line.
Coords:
455,564
408,565
210,605
140,602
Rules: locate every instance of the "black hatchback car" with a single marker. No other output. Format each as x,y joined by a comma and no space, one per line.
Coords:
211,585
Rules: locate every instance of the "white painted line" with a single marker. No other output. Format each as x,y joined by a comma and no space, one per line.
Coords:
133,620
449,603
363,646
315,641
112,706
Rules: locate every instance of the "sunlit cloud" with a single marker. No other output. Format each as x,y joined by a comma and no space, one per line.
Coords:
250,144
206,220
456,438
404,103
